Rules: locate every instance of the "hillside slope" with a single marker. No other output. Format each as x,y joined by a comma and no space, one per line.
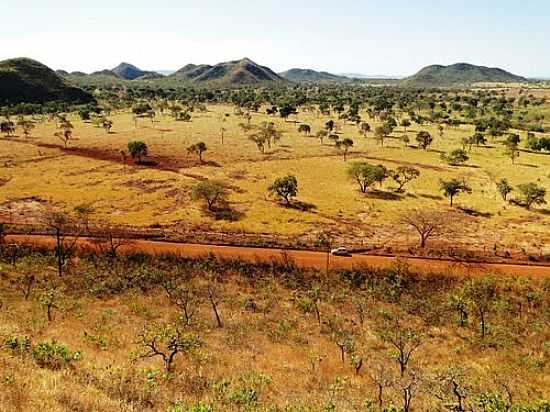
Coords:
232,73
308,75
24,80
128,71
459,74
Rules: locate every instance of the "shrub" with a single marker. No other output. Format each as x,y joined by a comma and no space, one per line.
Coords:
18,345
53,355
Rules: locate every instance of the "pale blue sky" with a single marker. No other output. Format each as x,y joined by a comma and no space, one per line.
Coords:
373,37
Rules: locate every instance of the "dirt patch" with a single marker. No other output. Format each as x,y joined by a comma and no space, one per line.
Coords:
150,185
154,161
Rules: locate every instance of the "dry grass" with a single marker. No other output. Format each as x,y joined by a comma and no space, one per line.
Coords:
279,342
143,196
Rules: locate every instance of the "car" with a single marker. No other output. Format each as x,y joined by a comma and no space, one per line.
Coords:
341,251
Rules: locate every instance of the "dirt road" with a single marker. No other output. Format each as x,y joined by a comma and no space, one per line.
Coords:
302,258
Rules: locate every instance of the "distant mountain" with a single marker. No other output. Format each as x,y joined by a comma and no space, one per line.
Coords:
460,74
125,71
105,72
233,73
24,80
369,76
308,75
192,71
128,71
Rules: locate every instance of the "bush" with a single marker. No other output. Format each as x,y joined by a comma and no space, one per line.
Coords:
18,345
53,355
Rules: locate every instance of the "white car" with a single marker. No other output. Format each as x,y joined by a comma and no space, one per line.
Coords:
341,251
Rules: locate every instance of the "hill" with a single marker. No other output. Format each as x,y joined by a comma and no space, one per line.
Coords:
191,71
24,80
308,75
233,73
128,71
460,74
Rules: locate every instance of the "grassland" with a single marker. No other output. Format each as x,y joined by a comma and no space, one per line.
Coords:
93,174
272,352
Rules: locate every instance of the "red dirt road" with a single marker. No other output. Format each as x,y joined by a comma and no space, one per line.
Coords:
310,259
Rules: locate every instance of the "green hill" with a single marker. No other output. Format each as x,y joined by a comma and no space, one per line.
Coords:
460,74
233,73
128,71
308,75
24,80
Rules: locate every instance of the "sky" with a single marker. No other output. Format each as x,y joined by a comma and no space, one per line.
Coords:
390,37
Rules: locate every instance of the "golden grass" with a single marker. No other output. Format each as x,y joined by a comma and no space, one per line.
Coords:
279,341
142,196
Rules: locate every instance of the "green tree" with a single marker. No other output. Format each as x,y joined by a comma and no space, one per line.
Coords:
212,192
405,123
344,146
381,133
403,175
424,139
366,174
481,293
511,151
138,150
285,188
198,149
532,194
504,188
454,187
456,157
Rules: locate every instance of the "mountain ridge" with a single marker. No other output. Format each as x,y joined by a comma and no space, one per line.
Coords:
459,74
24,80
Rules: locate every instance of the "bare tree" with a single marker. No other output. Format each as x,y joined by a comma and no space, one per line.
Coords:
428,223
183,298
166,341
405,340
382,378
214,301
109,239
451,387
66,234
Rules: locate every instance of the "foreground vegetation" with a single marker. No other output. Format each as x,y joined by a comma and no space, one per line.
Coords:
133,333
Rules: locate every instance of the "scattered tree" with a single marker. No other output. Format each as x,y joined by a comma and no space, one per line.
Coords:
198,149
212,192
285,188
403,175
424,139
138,150
504,188
532,194
454,187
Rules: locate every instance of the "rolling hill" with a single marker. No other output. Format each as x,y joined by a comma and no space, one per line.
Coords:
308,75
25,80
460,74
128,71
233,73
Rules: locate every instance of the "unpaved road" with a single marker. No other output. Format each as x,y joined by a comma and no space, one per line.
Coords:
310,259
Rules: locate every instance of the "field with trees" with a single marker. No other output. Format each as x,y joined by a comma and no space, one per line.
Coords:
364,164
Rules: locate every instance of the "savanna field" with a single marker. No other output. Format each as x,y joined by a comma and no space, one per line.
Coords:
274,206
38,175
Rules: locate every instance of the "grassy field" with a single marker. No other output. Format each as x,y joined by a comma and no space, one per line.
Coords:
272,352
142,196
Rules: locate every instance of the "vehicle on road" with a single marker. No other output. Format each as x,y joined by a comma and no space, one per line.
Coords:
340,251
